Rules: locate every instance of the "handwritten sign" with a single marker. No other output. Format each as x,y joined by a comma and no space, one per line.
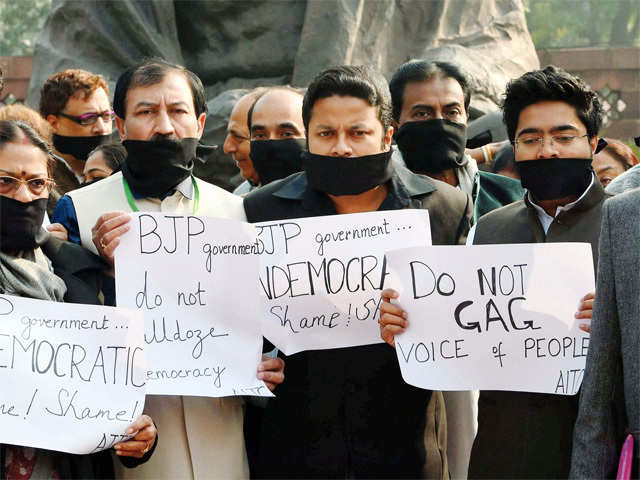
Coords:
320,277
76,369
195,280
493,317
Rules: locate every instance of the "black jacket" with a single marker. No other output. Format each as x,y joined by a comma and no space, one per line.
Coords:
347,412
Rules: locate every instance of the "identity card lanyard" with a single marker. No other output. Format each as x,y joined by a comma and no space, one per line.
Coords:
134,207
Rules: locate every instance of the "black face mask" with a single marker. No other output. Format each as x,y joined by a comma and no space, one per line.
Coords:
347,175
154,167
551,178
432,146
20,223
79,147
275,159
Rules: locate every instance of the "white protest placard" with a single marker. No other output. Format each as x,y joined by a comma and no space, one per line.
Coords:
493,317
195,279
320,277
72,376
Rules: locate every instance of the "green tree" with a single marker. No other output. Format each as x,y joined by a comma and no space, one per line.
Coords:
20,23
583,23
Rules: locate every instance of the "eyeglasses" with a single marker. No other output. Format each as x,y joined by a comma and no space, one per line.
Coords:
533,143
90,118
37,186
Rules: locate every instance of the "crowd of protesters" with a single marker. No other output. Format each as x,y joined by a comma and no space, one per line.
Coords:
69,181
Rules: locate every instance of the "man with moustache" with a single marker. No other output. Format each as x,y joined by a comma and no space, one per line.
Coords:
430,112
330,418
236,143
552,120
76,105
277,133
161,112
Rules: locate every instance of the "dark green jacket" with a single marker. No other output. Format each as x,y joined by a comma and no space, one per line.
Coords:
493,191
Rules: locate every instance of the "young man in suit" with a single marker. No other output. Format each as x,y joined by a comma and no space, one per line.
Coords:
552,119
329,419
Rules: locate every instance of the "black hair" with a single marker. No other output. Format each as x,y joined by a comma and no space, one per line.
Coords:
10,133
551,84
350,81
113,154
152,72
264,92
421,71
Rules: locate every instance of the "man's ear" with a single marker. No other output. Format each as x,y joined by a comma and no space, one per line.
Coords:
388,137
201,119
121,129
53,121
593,141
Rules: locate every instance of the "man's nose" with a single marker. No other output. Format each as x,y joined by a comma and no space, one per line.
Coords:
548,149
100,127
163,124
229,146
341,148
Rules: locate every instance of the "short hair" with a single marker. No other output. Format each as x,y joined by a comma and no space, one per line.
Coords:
621,153
10,131
114,154
350,81
151,72
60,87
551,84
22,113
262,91
415,71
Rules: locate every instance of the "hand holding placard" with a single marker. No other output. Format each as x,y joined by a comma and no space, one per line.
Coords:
72,368
320,277
492,317
193,277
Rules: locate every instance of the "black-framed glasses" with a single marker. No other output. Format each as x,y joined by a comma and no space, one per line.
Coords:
37,186
90,118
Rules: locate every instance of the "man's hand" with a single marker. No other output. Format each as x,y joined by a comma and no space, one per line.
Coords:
142,442
271,371
58,231
393,320
585,310
107,231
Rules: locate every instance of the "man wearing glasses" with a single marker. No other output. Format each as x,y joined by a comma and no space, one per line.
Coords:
76,105
552,119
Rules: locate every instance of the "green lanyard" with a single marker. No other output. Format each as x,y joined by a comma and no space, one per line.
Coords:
132,203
